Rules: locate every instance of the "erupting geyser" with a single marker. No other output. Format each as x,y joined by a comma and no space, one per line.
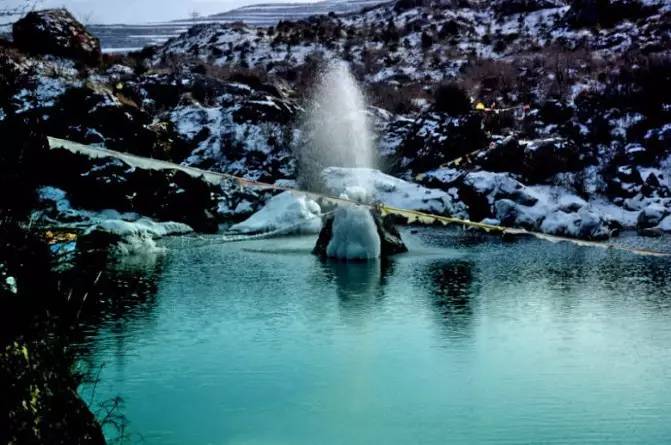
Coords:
337,129
338,134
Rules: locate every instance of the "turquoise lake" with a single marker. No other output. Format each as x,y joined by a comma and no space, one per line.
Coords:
466,339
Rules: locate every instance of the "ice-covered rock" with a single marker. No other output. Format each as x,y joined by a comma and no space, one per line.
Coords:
665,224
391,191
288,212
651,216
350,234
123,233
354,238
129,237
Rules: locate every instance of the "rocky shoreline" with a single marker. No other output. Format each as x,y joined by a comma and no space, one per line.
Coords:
585,162
551,116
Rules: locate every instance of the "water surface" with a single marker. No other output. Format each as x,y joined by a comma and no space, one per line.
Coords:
467,339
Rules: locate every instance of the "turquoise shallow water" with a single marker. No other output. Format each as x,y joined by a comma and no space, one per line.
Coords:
467,339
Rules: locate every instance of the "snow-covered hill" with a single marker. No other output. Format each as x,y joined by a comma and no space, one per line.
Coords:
120,38
271,13
552,115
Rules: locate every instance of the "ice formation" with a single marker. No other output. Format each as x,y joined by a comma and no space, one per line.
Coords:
287,213
354,235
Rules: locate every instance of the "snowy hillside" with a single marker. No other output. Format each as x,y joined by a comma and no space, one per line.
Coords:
119,38
550,115
271,13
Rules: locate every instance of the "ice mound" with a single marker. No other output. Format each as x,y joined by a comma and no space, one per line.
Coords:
389,190
287,213
131,237
355,235
143,227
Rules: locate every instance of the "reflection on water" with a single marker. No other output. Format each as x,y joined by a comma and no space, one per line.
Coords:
358,285
450,287
466,339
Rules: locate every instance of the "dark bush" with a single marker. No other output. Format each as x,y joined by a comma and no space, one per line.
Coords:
450,98
606,13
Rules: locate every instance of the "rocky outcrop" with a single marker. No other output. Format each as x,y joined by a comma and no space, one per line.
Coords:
390,238
97,115
162,194
57,32
436,138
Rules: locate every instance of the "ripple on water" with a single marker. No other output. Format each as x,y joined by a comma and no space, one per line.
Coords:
466,339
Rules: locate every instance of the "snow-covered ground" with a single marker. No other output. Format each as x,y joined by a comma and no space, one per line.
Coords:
391,191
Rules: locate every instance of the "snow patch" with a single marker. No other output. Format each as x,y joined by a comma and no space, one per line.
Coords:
391,191
287,212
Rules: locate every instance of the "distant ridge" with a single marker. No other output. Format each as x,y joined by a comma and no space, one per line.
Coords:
121,38
269,14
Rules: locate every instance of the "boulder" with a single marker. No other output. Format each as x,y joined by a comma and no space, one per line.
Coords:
57,32
651,216
546,157
390,238
436,138
502,156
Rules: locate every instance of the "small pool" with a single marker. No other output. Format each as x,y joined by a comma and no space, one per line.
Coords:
466,339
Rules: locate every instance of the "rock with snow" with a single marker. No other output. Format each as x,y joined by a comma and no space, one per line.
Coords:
286,213
356,232
665,224
651,216
583,224
57,32
436,138
480,190
128,237
391,191
97,114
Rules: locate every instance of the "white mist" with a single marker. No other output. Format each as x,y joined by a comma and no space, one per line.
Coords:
339,135
337,128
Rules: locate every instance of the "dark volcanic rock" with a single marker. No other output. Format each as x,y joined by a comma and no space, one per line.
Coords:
502,156
57,32
390,238
264,110
651,216
546,157
436,138
162,194
89,115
